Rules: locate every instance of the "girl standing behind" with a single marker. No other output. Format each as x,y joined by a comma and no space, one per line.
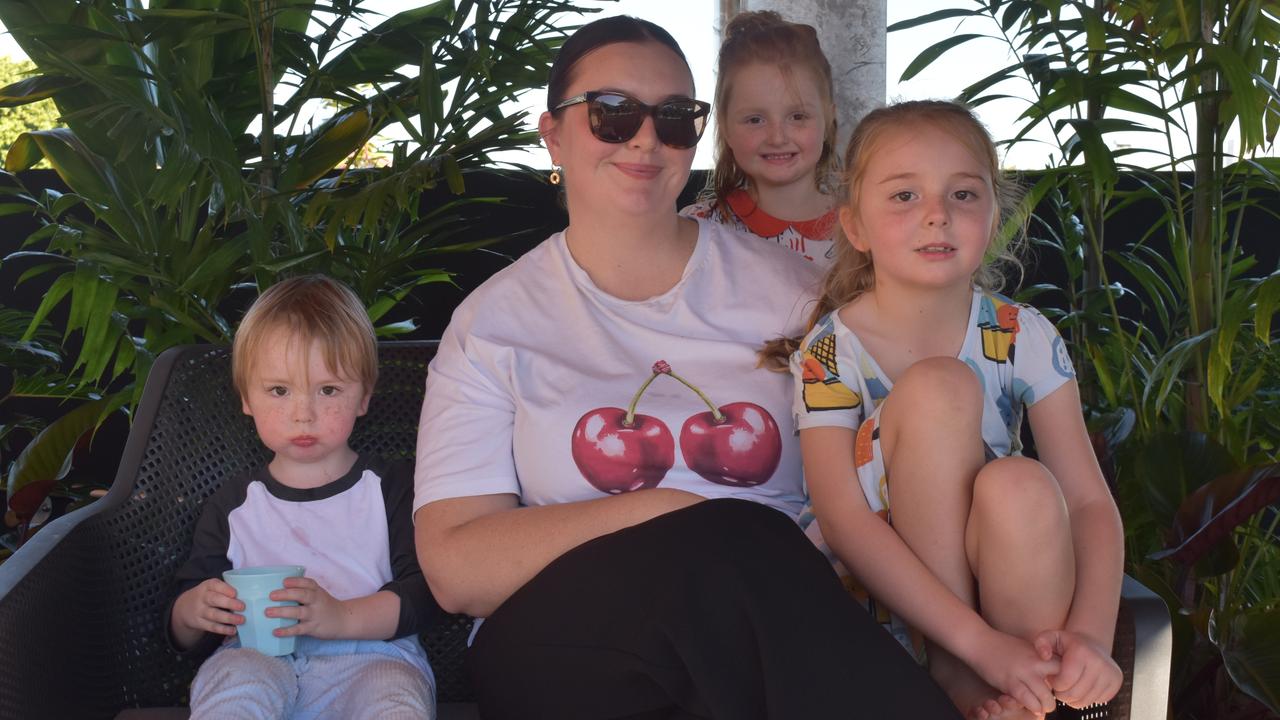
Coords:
776,129
911,387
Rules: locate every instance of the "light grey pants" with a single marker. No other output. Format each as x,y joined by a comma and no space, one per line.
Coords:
247,685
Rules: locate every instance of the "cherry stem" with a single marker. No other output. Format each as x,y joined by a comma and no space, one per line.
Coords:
629,420
715,412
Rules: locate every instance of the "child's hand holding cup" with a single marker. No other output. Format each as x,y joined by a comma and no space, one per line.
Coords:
254,586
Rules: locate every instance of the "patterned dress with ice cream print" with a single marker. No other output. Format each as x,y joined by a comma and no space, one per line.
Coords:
1014,350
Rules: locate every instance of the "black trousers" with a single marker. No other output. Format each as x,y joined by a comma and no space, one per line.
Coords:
721,610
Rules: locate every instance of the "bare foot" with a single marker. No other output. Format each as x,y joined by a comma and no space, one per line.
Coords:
1007,708
970,693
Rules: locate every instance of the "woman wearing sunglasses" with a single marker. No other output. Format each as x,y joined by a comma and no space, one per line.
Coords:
604,474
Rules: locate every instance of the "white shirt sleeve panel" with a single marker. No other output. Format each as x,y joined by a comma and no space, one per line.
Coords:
465,432
1042,363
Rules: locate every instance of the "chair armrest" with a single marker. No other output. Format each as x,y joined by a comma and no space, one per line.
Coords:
1152,651
62,602
26,561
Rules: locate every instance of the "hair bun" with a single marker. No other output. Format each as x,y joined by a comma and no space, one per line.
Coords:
753,21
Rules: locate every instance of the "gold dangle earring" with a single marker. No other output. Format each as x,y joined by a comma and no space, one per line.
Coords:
555,177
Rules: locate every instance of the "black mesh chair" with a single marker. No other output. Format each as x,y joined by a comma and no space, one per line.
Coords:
81,603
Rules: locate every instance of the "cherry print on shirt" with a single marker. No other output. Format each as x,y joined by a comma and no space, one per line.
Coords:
736,444
619,451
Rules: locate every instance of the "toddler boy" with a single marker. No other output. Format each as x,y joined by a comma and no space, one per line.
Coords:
304,362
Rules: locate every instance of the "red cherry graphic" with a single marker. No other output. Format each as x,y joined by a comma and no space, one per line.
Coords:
741,448
736,444
619,451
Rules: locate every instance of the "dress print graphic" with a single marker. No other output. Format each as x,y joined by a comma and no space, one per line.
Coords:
619,450
822,389
998,323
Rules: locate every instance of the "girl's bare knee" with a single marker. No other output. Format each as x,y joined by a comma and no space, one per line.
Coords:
1021,491
937,388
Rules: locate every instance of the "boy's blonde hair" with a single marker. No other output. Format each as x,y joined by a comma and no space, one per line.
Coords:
764,37
853,272
312,307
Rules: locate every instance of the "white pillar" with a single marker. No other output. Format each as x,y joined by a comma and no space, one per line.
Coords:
852,33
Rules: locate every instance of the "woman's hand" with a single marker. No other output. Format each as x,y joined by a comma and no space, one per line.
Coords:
318,613
1088,675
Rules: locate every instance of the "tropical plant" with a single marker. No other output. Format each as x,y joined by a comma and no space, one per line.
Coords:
1171,331
29,116
36,455
198,169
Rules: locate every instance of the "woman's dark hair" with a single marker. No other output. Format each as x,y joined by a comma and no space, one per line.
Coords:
597,34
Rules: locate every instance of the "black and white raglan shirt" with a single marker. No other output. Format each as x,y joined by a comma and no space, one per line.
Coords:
354,536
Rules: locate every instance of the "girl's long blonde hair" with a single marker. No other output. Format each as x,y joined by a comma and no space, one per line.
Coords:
764,37
853,272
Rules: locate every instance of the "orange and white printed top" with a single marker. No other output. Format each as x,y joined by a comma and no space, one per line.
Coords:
811,238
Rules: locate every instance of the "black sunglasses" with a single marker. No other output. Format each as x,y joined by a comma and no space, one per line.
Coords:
616,118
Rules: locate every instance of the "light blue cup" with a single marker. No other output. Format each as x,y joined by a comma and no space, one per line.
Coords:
254,586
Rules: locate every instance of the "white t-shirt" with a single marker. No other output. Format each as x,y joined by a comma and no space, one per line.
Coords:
529,389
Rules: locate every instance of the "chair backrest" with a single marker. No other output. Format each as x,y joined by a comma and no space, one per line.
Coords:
189,436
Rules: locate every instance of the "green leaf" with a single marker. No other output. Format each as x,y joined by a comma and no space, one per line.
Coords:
453,174
1240,84
57,291
23,154
1169,467
1095,29
7,209
34,89
49,386
46,459
1097,156
1122,99
398,328
1251,653
932,17
332,143
1102,372
99,338
1168,369
1268,305
1159,295
82,170
84,288
933,52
